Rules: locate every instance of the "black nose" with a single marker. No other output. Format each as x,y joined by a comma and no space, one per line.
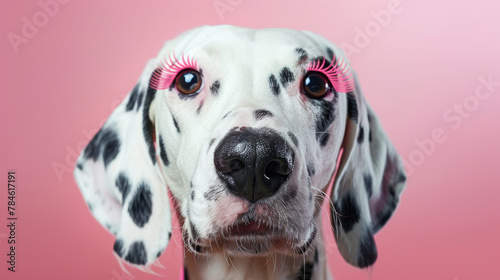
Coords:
254,163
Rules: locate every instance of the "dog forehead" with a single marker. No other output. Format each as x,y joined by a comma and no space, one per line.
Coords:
233,46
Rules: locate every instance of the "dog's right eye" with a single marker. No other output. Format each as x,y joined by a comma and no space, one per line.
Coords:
188,81
315,85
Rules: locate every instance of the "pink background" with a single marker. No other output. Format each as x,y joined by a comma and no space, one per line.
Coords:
64,82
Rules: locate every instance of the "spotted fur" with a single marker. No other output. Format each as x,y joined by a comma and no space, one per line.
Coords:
159,140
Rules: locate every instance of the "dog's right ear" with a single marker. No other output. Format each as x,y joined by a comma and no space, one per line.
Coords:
369,182
120,178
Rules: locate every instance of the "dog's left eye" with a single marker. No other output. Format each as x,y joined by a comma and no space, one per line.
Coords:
188,81
315,84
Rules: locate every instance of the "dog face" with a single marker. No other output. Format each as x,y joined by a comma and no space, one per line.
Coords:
249,111
245,127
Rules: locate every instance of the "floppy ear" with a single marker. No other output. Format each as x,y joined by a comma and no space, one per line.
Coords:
369,181
120,179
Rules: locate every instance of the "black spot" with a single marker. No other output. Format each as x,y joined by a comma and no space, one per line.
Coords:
352,107
123,186
401,178
368,184
163,153
367,251
79,165
310,170
324,118
214,88
302,53
211,143
137,253
306,271
133,99
176,125
192,195
110,144
92,150
361,134
316,256
227,114
118,247
139,101
347,212
107,140
273,83
169,235
392,192
141,206
158,254
369,127
260,114
329,52
199,107
294,138
286,76
147,125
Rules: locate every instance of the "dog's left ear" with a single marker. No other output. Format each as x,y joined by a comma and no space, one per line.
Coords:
369,181
119,175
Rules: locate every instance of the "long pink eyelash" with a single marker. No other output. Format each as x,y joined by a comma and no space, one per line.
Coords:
340,76
169,70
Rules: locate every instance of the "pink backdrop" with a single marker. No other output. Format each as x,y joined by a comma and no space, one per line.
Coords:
418,62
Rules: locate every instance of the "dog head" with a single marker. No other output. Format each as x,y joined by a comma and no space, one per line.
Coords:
245,127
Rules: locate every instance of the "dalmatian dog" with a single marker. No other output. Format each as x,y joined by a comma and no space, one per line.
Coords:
245,130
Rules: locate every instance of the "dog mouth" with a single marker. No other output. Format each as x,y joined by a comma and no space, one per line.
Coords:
249,228
253,237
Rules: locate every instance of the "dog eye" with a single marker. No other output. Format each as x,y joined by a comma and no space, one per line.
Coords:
188,81
315,85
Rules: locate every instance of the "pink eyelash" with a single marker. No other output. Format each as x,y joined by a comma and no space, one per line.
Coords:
169,70
340,76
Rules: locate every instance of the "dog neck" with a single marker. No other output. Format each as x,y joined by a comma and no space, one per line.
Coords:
311,265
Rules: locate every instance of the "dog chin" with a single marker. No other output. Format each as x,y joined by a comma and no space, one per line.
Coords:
257,243
248,246
264,245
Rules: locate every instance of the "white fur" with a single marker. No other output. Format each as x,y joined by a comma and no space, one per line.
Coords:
242,60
